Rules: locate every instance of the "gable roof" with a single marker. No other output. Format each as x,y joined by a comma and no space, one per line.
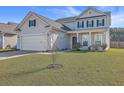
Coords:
94,9
48,21
68,19
8,28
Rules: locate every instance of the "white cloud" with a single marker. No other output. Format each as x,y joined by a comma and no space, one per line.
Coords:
118,19
117,16
73,11
65,12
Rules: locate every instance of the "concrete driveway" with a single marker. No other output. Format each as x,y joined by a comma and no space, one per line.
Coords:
13,54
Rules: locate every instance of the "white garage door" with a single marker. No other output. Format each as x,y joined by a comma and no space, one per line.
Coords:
36,43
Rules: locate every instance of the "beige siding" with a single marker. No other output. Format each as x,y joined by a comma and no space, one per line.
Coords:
86,16
89,13
39,28
10,40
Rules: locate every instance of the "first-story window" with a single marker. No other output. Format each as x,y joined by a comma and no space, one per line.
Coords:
85,40
98,39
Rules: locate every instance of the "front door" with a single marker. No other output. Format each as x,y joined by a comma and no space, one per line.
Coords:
74,42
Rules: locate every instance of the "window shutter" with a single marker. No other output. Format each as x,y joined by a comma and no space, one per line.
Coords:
34,22
82,24
78,24
87,23
97,23
29,23
92,23
103,23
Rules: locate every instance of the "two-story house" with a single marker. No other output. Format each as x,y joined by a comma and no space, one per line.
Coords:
39,33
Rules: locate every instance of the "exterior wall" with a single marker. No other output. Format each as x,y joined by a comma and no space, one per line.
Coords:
26,30
39,28
73,25
105,37
63,40
89,13
60,40
18,46
94,15
10,40
1,40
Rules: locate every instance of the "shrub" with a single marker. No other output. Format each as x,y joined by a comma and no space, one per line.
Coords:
98,47
8,47
92,48
104,46
77,46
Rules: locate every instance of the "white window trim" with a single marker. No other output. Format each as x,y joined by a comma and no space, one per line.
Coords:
101,38
87,36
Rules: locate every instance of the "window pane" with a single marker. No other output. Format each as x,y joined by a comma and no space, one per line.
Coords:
85,43
85,40
90,23
98,39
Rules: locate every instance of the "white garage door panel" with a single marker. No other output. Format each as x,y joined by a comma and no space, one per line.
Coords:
34,43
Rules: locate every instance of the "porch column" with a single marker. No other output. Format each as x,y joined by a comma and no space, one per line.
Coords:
90,38
77,37
107,39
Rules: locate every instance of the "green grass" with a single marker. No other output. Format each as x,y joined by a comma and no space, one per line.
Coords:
6,50
80,68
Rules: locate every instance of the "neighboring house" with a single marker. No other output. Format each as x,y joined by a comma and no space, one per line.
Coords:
88,28
8,37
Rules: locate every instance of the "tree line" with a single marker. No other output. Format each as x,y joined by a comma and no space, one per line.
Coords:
117,34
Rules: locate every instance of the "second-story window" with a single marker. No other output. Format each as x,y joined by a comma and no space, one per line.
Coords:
100,22
80,24
90,23
32,23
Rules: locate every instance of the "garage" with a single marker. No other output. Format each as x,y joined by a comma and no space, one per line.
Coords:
34,42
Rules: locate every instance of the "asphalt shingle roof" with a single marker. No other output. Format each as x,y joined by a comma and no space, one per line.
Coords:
53,22
8,28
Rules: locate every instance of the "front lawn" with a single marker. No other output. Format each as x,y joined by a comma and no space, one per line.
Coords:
6,50
80,68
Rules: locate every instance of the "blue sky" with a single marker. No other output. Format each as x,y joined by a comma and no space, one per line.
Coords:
17,13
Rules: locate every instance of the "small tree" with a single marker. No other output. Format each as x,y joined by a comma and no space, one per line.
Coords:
51,39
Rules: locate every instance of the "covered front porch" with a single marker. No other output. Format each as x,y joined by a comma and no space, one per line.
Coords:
88,38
